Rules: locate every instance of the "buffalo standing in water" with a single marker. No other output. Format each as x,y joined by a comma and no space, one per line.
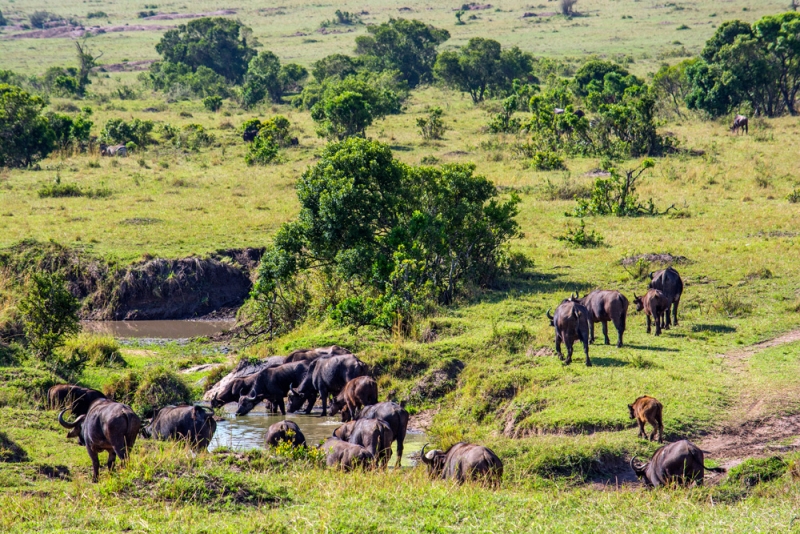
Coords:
359,392
680,462
108,426
372,434
325,376
571,322
195,424
462,462
395,416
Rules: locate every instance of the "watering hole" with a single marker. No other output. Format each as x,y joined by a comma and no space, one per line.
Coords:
248,431
175,329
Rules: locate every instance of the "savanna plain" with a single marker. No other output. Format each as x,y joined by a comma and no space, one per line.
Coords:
480,367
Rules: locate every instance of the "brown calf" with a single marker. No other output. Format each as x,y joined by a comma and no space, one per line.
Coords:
655,304
647,409
357,393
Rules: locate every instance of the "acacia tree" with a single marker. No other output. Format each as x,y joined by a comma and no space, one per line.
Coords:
217,43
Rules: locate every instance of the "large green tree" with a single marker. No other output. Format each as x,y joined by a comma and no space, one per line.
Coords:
25,135
408,46
216,43
266,77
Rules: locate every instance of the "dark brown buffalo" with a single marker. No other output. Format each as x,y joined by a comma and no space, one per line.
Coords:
655,305
357,393
462,462
108,426
605,306
740,123
285,431
76,399
668,282
272,385
239,381
326,376
680,463
345,455
312,354
571,322
194,424
395,416
647,409
372,434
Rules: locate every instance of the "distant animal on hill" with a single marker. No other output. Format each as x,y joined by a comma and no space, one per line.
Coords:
571,322
669,282
108,426
647,409
680,462
462,462
655,305
114,150
740,124
357,393
604,306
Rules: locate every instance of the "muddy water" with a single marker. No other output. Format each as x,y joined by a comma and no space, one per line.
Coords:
156,329
248,432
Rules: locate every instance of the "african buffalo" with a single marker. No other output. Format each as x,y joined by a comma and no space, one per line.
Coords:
113,150
395,416
285,431
357,393
571,322
195,424
108,426
76,399
668,282
462,462
647,409
272,384
604,306
326,376
680,462
655,305
344,455
229,389
740,123
372,434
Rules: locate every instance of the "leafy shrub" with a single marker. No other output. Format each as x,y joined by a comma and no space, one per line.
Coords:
50,315
96,15
276,128
216,374
159,387
26,134
616,195
146,13
212,103
728,303
565,190
548,161
345,115
102,351
192,137
3,21
794,196
122,388
580,238
262,151
432,126
117,131
267,77
39,19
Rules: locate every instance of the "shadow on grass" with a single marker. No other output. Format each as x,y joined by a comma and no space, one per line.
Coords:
714,328
531,284
604,361
650,348
11,452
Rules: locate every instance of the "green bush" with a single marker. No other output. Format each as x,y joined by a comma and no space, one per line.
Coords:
59,190
262,151
580,238
26,134
102,351
212,103
159,387
117,131
192,137
548,161
122,388
432,126
794,196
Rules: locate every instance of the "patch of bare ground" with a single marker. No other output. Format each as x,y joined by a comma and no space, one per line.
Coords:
423,420
739,355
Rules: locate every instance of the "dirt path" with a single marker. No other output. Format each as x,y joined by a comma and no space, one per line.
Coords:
739,355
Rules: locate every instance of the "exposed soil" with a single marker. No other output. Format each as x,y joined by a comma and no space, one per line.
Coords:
423,420
76,32
175,16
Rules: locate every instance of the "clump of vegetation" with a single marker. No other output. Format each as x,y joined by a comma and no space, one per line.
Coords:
794,196
580,238
97,15
548,161
122,388
432,127
190,137
159,387
743,478
266,77
56,189
49,316
39,19
392,249
102,351
729,304
342,18
272,135
146,13
567,189
212,103
118,131
26,133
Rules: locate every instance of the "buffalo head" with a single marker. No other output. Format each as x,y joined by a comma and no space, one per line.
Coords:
641,470
74,427
215,402
630,409
552,319
296,401
434,459
639,301
247,402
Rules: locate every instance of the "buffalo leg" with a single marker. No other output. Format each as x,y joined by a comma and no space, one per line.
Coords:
110,463
558,348
312,400
674,312
95,463
605,333
591,332
642,433
659,320
323,394
620,326
569,353
648,324
585,341
281,406
399,453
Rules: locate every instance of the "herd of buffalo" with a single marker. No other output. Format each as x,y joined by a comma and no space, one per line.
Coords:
341,381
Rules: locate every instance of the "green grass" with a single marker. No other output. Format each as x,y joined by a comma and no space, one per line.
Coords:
557,428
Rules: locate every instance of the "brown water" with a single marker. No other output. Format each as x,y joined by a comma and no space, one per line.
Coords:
248,431
156,329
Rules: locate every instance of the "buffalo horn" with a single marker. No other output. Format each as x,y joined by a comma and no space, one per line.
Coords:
422,455
69,425
634,296
548,314
252,394
636,468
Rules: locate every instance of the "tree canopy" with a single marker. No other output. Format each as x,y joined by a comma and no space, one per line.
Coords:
216,43
25,134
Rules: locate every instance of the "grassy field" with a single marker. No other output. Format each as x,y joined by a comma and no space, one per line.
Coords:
559,429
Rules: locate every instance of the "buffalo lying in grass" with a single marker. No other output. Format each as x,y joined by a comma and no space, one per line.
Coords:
677,463
462,462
